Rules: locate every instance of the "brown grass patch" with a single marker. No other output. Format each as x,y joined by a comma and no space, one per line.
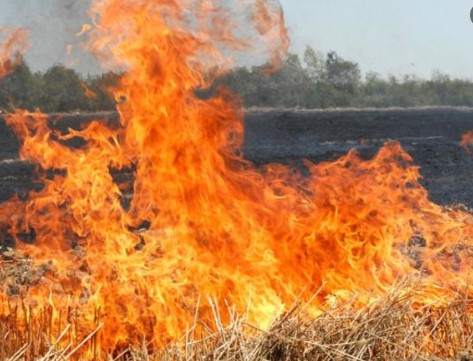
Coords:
389,328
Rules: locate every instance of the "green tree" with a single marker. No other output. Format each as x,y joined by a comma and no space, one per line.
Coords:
290,84
101,86
63,90
342,74
315,64
20,89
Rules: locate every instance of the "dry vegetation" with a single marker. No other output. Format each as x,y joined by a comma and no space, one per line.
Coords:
390,328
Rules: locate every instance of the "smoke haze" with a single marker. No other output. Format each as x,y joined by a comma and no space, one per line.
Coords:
53,25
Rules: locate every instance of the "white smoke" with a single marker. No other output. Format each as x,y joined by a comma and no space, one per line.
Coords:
53,26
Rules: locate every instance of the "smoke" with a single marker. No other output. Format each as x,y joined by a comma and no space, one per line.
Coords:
53,26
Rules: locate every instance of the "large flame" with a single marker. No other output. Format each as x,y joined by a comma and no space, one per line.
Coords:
216,227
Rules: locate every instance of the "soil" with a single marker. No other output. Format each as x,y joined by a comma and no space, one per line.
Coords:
430,135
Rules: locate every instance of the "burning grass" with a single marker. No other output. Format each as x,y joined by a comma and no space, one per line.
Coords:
392,327
91,283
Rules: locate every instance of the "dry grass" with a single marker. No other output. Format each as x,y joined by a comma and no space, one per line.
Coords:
297,109
390,328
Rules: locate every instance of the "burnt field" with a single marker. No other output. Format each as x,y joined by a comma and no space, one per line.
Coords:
431,136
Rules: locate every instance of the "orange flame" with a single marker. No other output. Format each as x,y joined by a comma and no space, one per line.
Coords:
85,28
216,226
11,49
467,141
89,93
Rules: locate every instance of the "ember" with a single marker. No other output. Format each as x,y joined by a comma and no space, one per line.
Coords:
467,141
221,236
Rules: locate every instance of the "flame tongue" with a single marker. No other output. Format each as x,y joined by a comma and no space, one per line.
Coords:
218,227
11,48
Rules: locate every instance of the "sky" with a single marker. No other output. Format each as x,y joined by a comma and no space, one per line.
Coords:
390,37
53,25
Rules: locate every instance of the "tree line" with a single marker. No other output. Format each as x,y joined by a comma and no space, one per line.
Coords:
315,80
321,80
58,89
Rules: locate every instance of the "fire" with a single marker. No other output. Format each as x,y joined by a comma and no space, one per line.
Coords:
11,48
467,141
88,92
197,221
85,29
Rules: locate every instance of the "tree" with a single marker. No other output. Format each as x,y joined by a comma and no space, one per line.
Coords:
315,64
20,89
343,75
63,90
290,83
101,85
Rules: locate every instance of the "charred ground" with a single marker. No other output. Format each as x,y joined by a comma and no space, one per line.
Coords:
431,136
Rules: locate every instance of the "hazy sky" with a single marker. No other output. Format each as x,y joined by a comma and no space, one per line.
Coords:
390,37
53,25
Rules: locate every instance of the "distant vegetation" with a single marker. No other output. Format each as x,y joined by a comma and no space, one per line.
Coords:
327,80
59,89
316,81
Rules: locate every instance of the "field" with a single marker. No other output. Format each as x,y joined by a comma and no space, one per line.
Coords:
430,135
389,328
